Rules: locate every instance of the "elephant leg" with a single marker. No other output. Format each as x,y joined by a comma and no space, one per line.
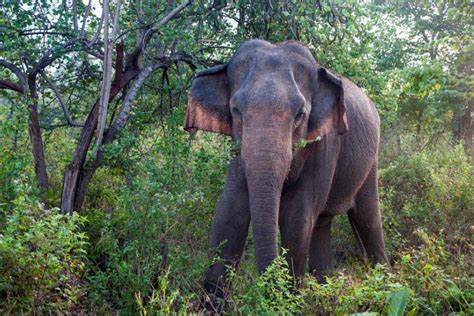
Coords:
296,224
320,253
366,219
360,245
230,228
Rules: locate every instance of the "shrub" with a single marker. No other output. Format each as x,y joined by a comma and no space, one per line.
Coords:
272,292
42,257
361,289
148,251
435,282
440,282
433,189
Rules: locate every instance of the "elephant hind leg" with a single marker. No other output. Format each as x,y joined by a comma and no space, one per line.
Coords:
320,253
360,244
366,220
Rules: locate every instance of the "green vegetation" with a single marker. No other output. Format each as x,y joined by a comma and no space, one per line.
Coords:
137,241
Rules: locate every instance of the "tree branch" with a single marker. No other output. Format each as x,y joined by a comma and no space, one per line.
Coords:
107,72
5,84
118,63
84,20
124,111
173,14
17,71
74,15
133,58
97,33
48,58
60,100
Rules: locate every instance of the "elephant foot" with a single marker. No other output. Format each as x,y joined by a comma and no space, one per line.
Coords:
214,288
215,299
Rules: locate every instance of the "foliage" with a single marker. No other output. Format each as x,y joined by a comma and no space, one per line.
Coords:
437,278
398,302
428,280
352,291
15,162
152,243
433,189
42,257
272,292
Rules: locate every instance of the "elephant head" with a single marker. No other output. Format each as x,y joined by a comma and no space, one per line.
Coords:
267,97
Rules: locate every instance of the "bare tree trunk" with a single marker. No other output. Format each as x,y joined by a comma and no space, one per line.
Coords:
107,70
467,122
37,141
462,129
119,122
462,120
28,85
75,167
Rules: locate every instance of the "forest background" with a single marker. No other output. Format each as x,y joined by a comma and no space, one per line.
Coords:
106,203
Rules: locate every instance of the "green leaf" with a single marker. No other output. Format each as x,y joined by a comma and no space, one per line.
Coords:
398,302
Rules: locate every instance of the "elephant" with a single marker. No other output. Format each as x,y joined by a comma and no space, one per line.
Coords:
308,151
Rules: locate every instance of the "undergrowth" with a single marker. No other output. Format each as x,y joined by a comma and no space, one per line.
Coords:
141,244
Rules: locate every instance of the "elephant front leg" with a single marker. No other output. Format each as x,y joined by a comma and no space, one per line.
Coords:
229,229
320,253
296,224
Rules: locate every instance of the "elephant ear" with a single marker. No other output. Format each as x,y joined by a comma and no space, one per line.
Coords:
208,102
328,111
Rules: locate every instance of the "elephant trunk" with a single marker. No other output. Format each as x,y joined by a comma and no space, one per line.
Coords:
267,158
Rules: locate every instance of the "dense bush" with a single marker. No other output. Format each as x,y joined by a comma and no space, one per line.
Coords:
271,292
430,189
42,258
435,280
150,243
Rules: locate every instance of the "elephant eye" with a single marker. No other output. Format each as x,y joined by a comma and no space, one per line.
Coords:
299,118
236,112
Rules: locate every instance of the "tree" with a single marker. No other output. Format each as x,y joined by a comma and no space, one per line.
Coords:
53,35
441,31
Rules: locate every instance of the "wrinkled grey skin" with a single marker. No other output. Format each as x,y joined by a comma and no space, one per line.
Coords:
269,97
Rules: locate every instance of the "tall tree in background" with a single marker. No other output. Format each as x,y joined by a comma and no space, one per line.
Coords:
441,35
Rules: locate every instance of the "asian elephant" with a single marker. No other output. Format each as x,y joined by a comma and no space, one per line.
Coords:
308,151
